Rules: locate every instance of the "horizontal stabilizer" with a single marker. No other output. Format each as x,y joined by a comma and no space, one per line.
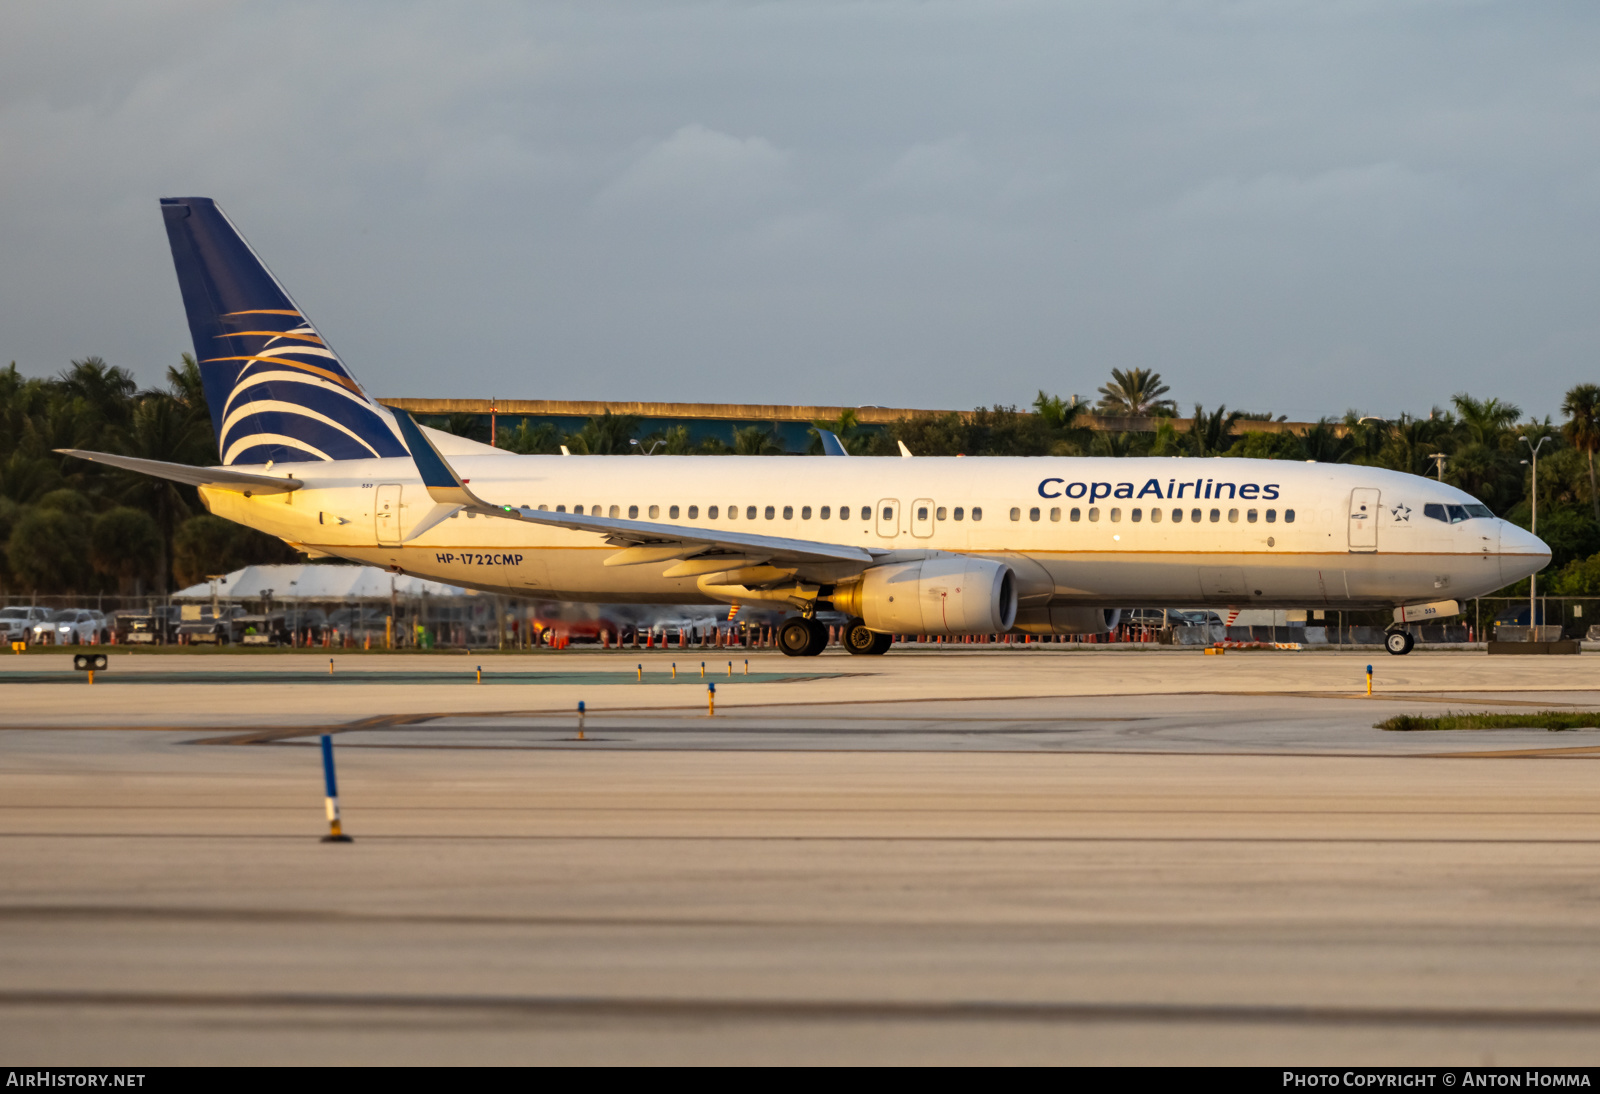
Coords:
224,478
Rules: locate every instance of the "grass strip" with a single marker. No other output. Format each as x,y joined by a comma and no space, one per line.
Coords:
1553,720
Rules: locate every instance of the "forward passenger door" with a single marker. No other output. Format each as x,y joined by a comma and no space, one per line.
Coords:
1364,519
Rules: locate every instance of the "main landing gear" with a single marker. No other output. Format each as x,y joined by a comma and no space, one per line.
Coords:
857,639
802,637
1398,642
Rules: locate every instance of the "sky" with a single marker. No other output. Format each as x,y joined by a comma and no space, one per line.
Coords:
1290,207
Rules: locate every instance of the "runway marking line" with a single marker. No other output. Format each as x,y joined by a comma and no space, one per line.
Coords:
745,1010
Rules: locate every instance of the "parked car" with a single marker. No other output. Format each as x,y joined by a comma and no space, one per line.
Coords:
16,623
72,627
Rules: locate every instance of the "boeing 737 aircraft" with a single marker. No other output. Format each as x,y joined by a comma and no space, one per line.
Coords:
900,546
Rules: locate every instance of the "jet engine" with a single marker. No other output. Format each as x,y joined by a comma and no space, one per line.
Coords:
1061,619
945,594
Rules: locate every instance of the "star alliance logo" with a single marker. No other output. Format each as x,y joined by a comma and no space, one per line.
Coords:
1401,512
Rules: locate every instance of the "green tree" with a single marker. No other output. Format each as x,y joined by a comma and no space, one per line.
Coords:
533,440
1582,408
606,435
1135,393
206,544
48,551
125,545
755,440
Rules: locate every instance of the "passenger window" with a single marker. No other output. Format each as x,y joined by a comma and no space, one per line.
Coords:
1016,514
1055,515
633,512
1272,515
977,513
1116,514
922,512
711,512
844,512
1138,515
594,511
655,511
1155,516
1195,515
1033,514
788,512
750,512
694,512
888,513
561,508
938,513
1250,515
1094,513
1233,516
578,509
866,512
770,514
615,511
672,513
733,512
1288,516
542,509
825,512
1075,515
1177,516
805,512
1216,515
960,513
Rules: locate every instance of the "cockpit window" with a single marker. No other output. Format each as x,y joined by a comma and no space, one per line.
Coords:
1455,514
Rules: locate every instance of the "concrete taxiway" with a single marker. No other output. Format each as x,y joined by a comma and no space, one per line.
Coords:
994,856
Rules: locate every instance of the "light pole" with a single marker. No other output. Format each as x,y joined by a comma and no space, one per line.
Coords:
651,451
1533,526
1438,459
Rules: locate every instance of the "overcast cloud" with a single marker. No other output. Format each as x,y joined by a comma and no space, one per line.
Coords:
1285,206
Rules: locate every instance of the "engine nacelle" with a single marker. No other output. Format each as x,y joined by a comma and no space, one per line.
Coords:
1061,619
946,594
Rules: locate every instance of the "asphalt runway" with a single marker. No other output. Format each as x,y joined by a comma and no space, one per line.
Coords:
993,856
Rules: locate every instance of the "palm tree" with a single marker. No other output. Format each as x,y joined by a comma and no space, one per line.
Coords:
1210,434
607,435
755,440
1135,393
1582,408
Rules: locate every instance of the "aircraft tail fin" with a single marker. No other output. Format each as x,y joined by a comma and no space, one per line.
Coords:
275,389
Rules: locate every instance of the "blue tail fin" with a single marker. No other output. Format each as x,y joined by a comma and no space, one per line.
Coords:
275,389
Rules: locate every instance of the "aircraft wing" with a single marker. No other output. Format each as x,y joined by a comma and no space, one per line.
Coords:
221,477
643,541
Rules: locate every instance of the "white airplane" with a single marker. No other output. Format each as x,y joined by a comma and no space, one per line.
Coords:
900,546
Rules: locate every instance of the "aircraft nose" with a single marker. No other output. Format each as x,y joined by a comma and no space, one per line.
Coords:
1521,553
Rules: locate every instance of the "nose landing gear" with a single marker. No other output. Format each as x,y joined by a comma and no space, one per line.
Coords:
1398,642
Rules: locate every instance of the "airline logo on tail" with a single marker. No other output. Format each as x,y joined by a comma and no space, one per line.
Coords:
275,389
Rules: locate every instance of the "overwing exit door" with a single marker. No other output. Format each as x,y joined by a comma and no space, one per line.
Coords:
386,515
1364,519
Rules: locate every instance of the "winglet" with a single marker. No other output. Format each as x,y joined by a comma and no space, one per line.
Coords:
831,444
443,484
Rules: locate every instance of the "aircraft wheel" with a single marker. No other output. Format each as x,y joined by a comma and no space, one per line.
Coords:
819,638
795,637
859,640
1398,642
